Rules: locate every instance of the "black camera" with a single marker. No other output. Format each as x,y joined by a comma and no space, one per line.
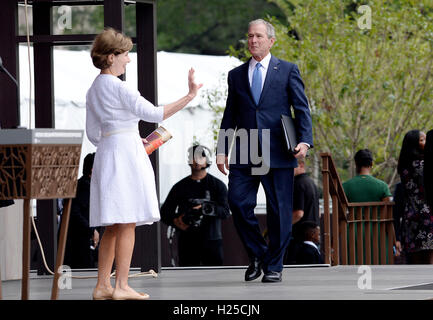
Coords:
193,217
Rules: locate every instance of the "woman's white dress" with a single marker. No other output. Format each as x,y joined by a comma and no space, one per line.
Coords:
123,182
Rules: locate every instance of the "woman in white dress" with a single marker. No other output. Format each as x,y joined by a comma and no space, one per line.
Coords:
123,192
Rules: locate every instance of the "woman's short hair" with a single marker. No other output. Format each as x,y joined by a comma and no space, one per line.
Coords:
108,42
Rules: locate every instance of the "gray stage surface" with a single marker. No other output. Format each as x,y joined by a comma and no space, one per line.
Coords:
408,282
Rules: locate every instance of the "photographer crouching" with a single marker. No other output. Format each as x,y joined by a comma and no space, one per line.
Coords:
195,206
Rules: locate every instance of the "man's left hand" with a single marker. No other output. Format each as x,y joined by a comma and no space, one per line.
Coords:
303,148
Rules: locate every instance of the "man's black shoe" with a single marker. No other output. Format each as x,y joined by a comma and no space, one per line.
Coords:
254,270
272,276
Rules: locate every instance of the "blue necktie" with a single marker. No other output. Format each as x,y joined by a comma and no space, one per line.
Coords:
256,85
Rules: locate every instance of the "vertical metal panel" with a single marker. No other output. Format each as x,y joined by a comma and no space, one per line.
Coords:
149,237
43,68
9,93
44,118
114,14
114,17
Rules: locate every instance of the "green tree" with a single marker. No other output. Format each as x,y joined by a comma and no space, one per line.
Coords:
366,87
207,27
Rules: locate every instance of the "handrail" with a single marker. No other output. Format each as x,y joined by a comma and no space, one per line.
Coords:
334,174
361,232
374,203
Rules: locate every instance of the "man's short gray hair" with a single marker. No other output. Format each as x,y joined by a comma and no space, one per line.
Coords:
270,30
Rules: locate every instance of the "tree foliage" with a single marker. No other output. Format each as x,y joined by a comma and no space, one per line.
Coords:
207,27
368,87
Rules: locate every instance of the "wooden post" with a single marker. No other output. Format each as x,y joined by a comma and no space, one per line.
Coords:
391,235
359,236
326,222
26,250
375,237
352,259
61,247
343,241
382,235
335,232
367,226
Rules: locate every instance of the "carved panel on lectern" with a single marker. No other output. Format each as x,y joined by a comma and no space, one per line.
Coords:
13,171
54,171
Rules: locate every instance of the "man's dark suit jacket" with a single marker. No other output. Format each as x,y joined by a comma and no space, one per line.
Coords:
283,89
307,254
428,168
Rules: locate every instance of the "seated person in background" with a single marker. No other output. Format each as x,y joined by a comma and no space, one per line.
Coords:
78,252
364,187
195,206
309,252
305,208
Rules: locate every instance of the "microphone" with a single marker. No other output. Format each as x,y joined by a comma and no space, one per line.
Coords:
3,69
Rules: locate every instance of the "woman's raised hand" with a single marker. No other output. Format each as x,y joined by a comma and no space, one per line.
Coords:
192,85
171,108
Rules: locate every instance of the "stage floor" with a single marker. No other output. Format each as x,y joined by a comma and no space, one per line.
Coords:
408,282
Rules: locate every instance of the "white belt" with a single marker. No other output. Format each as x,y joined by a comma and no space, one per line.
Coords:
106,134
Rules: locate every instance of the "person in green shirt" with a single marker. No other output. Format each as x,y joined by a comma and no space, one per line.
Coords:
364,187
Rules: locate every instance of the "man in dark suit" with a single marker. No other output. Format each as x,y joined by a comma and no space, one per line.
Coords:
428,168
259,92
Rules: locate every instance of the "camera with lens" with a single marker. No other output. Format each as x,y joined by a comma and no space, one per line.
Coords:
194,217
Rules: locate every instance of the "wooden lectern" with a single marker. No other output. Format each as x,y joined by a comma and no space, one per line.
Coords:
40,164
